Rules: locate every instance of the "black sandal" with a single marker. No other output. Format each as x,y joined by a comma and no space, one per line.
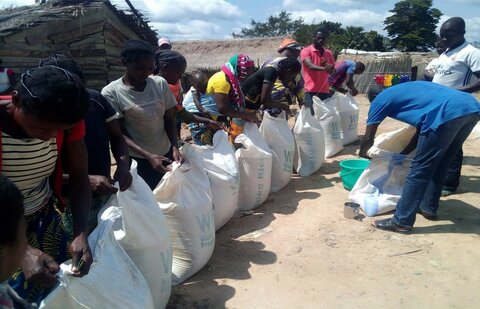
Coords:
389,225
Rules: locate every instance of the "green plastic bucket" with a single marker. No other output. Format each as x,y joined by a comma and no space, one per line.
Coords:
350,171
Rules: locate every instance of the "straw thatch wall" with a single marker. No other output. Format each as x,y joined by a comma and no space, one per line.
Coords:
209,55
213,53
91,32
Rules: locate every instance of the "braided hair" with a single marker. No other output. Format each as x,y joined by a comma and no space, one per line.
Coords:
53,94
289,64
64,62
11,209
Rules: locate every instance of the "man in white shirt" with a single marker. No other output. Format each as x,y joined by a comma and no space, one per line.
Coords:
456,68
431,68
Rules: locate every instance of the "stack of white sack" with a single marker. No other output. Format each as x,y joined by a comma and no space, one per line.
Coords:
279,138
380,186
255,164
309,143
113,281
141,229
186,201
326,113
347,107
221,165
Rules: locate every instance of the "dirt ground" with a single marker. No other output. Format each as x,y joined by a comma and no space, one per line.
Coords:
298,251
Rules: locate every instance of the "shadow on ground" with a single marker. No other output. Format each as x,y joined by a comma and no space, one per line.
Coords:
464,218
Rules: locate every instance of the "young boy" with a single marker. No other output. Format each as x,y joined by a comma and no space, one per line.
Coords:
199,103
13,242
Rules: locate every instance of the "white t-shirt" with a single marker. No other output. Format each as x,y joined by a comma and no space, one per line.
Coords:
456,67
143,112
432,66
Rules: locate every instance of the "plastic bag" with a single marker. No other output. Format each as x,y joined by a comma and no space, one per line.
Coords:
347,108
309,144
141,229
280,140
326,112
221,166
113,281
186,201
380,186
255,164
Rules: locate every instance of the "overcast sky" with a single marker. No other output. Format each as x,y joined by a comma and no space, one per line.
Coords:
217,19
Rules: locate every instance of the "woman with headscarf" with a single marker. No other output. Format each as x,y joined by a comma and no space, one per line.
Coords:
226,89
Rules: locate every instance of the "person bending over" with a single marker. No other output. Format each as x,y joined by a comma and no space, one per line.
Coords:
42,120
344,71
102,129
444,118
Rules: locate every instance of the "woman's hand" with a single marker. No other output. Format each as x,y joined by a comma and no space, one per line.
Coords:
40,268
177,156
81,255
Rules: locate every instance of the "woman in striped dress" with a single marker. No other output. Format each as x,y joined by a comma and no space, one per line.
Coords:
44,113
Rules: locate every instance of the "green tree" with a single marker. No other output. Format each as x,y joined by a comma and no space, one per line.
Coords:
340,38
412,25
276,25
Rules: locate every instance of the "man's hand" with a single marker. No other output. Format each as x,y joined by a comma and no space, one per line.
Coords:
81,255
329,68
177,156
354,92
157,163
124,178
40,268
101,185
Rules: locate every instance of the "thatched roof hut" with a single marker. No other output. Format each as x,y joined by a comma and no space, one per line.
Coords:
211,54
92,32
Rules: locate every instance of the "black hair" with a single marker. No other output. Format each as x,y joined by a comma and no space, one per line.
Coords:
64,62
197,74
359,66
324,31
53,94
167,58
136,49
289,64
373,91
11,209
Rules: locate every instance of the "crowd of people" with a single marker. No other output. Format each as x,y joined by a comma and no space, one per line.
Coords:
56,136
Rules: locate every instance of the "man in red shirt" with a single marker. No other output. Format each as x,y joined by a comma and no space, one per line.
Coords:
317,65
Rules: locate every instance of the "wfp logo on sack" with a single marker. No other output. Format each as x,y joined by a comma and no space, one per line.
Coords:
353,123
335,130
261,168
288,164
258,196
311,152
205,222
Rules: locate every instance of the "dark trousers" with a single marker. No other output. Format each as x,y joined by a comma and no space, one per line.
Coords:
308,98
436,150
452,181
